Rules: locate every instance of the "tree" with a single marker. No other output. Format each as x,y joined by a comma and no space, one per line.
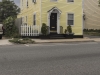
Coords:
8,8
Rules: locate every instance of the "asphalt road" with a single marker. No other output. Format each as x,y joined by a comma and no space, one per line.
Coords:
51,59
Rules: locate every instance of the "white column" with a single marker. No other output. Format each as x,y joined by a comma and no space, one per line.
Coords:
58,23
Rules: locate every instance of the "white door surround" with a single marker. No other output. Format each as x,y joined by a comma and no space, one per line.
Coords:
54,10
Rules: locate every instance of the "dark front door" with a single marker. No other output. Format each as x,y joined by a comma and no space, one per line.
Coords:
53,22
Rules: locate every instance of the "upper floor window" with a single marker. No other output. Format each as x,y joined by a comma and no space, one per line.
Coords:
70,0
34,1
70,19
27,2
54,0
34,19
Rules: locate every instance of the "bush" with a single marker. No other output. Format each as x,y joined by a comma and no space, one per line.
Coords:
69,29
44,29
10,28
65,31
91,30
85,30
22,41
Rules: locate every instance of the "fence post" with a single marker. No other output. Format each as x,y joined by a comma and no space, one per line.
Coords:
29,30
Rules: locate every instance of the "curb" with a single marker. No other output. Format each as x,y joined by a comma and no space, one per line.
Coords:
7,45
51,42
65,42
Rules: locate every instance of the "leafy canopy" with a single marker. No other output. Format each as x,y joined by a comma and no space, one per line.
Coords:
8,8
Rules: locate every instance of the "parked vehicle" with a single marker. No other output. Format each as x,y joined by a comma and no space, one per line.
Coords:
1,30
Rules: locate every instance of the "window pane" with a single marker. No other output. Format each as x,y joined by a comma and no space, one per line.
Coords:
34,19
70,0
70,17
26,18
53,0
34,23
70,22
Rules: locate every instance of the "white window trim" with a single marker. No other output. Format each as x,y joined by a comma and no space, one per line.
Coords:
67,19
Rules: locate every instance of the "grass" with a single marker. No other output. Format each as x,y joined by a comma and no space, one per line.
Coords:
22,41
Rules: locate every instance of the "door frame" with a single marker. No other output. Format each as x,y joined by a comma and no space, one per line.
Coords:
51,21
58,19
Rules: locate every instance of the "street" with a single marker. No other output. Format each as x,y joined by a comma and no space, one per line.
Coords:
51,59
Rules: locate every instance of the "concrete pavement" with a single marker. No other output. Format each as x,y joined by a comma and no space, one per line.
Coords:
85,39
5,41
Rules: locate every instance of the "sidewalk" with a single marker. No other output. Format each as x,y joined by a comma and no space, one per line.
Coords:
38,41
96,39
5,42
85,39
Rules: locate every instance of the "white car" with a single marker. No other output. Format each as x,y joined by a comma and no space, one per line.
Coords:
1,30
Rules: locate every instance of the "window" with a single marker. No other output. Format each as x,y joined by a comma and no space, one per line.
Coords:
26,19
27,3
34,1
70,0
34,19
22,20
70,19
53,0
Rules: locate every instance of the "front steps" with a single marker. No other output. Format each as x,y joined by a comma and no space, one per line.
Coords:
56,36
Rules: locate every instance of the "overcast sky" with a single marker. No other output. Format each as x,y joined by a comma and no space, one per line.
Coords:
17,2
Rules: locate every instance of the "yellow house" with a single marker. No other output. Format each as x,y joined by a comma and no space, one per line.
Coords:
56,14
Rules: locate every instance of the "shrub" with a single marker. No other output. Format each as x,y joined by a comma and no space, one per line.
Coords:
69,29
85,30
91,30
44,29
10,28
65,31
22,41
